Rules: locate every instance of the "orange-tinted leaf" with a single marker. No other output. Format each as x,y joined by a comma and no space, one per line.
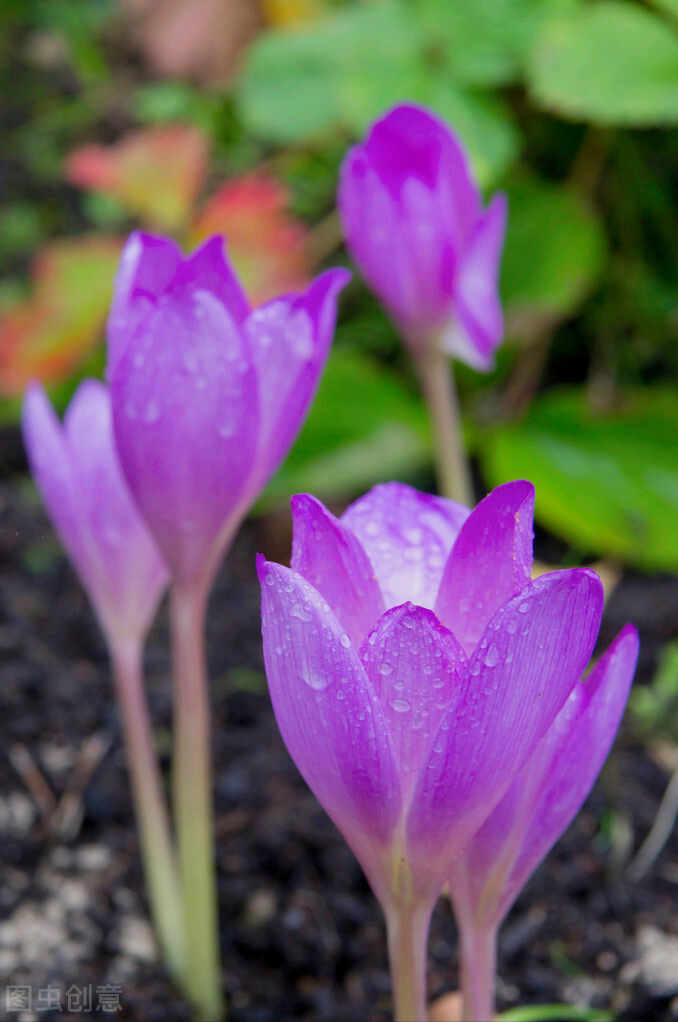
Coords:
48,335
155,173
266,243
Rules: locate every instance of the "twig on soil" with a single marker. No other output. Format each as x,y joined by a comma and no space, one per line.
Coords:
30,774
660,832
67,817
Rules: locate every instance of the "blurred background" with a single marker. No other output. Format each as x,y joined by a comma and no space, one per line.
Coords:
191,117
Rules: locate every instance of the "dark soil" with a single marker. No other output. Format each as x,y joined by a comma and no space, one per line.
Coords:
302,936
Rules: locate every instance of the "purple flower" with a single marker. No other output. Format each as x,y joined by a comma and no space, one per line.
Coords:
547,793
414,223
77,471
414,666
208,394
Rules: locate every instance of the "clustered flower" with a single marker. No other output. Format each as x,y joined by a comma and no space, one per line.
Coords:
431,692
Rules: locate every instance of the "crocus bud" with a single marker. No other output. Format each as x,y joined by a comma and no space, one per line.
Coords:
208,395
76,468
546,795
414,666
414,223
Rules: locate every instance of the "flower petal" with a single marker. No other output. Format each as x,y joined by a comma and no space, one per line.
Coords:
408,536
477,327
146,268
328,714
329,556
209,269
185,412
532,654
290,339
414,665
570,756
77,470
490,562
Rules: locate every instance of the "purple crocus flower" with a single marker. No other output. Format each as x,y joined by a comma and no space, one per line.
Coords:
544,798
415,225
413,667
76,468
208,394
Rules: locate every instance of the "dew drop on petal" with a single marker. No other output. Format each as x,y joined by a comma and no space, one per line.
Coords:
401,705
385,668
492,656
315,680
345,641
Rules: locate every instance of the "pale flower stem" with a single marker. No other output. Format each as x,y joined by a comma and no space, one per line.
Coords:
440,394
160,867
407,929
478,961
192,780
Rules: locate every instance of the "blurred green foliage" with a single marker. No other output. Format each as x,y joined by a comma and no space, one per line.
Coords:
654,707
568,105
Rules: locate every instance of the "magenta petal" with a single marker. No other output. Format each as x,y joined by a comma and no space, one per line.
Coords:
477,327
490,562
328,713
290,340
329,556
185,412
568,759
408,536
146,268
532,654
77,471
414,665
208,269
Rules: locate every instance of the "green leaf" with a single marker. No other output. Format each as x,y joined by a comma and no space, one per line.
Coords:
364,428
609,62
483,42
555,252
606,482
557,1012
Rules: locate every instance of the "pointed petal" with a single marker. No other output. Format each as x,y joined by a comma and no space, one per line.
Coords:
477,327
146,268
77,470
414,665
328,714
291,338
408,536
185,412
329,556
532,654
570,756
209,269
490,562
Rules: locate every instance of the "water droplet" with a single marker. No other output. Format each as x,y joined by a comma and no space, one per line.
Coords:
413,553
300,612
511,627
340,694
269,580
372,529
385,668
278,650
401,705
315,681
492,657
523,608
152,413
413,536
474,669
345,641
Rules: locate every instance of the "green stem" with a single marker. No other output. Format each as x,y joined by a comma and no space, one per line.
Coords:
193,801
478,950
407,928
160,867
440,394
